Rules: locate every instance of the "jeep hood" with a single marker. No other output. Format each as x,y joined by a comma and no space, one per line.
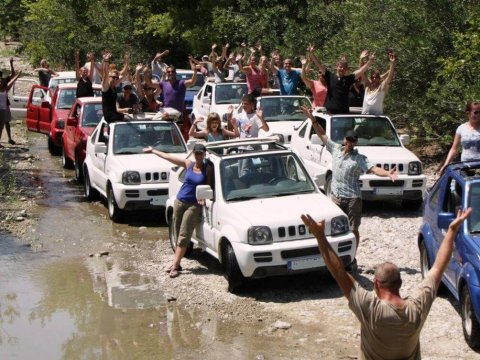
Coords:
387,154
145,162
285,210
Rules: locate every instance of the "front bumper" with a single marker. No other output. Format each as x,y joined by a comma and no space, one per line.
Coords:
143,196
290,257
404,188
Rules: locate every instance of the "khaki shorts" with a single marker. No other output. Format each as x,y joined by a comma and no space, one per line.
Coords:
352,207
186,217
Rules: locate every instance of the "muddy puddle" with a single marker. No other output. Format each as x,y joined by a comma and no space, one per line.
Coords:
66,298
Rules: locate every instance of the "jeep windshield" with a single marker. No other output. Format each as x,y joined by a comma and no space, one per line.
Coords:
131,138
262,176
371,131
230,93
92,114
284,108
474,202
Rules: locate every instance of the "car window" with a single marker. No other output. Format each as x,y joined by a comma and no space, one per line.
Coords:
54,82
284,108
453,196
37,96
434,199
132,138
66,98
230,93
92,114
371,131
93,136
474,202
262,176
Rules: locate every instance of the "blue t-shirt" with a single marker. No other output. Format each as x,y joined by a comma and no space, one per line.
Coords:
288,81
189,186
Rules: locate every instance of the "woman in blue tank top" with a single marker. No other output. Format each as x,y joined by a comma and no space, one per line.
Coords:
214,130
186,210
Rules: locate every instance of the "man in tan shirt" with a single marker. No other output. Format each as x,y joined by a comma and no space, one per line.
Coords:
390,324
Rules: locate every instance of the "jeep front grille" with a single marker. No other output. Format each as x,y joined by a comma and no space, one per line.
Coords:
156,176
387,166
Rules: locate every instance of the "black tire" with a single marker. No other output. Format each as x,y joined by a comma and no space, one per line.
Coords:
78,170
52,148
327,187
470,325
66,162
90,193
352,268
114,212
412,204
234,276
424,262
171,237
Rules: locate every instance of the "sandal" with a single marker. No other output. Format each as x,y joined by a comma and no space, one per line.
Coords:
11,142
170,268
174,273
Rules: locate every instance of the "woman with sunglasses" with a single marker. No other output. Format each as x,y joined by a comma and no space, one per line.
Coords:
468,135
110,81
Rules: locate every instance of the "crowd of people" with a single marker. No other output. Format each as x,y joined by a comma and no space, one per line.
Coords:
390,324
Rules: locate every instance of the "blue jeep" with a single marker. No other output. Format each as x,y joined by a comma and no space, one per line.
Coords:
458,187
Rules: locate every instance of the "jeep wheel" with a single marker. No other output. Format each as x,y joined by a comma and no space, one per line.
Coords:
78,170
471,327
52,148
424,263
90,193
66,162
412,204
171,237
232,271
114,211
327,187
352,268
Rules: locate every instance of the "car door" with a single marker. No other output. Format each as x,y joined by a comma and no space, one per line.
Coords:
18,96
207,231
38,110
98,158
71,130
206,101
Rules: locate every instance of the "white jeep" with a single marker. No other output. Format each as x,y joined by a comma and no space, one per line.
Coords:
379,141
116,167
251,217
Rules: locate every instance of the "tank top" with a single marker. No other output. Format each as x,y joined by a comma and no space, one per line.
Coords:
256,79
211,138
109,105
188,190
319,93
84,88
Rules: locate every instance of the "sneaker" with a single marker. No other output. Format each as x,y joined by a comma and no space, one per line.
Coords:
11,142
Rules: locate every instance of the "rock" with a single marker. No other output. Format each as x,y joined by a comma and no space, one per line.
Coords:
282,325
142,228
170,298
259,357
19,218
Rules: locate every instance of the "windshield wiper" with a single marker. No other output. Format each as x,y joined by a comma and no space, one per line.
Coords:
294,193
126,152
242,198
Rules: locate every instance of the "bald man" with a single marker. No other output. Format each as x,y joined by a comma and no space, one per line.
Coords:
390,324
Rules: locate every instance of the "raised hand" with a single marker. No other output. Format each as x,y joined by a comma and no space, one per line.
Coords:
259,113
364,54
214,46
139,67
303,60
461,216
316,228
106,55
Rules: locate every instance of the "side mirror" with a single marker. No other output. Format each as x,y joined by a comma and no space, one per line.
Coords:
204,192
405,139
101,148
444,219
72,121
316,140
206,100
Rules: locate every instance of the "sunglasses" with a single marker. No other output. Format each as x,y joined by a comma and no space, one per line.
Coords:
476,112
114,77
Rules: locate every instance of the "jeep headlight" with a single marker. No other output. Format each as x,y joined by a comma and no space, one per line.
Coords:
339,225
131,178
414,168
279,137
259,235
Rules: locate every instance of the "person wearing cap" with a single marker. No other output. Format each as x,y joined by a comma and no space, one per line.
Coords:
187,209
347,166
127,101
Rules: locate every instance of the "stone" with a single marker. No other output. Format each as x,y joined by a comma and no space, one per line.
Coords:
282,325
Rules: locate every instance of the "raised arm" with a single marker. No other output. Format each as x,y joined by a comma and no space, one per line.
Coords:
105,70
190,82
364,67
303,74
319,130
193,129
392,173
138,81
264,126
232,122
315,59
77,65
453,152
344,280
224,51
124,73
12,70
12,80
444,254
386,83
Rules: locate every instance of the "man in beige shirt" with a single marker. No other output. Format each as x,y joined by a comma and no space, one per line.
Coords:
390,324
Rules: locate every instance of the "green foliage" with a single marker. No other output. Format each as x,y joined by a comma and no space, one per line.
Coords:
12,13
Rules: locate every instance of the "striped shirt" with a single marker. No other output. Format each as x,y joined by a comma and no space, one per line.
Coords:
346,170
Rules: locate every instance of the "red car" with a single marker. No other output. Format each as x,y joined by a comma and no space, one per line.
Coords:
84,116
49,117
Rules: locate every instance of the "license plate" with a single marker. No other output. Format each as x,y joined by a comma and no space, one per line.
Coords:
387,191
158,201
309,263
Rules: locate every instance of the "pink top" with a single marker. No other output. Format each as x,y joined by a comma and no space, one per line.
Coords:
256,79
319,92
